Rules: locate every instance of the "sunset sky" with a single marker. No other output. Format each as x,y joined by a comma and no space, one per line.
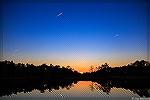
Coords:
79,34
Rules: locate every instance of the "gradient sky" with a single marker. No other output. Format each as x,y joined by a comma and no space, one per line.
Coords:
78,34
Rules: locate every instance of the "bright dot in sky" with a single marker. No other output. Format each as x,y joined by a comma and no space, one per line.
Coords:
60,14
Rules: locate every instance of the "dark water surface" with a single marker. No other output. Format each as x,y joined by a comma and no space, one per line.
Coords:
32,89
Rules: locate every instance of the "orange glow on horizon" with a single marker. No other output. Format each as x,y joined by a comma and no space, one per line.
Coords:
82,65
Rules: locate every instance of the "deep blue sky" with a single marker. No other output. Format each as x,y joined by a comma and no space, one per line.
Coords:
86,33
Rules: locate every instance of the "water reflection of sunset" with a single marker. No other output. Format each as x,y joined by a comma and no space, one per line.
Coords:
81,89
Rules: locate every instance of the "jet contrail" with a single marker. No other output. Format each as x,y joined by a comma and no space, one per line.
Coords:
60,14
116,35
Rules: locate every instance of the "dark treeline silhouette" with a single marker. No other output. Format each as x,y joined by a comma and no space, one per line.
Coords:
21,77
138,69
9,69
27,77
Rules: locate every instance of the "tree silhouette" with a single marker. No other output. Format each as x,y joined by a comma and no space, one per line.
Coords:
26,77
91,68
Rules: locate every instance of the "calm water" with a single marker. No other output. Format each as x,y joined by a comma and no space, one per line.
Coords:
78,89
